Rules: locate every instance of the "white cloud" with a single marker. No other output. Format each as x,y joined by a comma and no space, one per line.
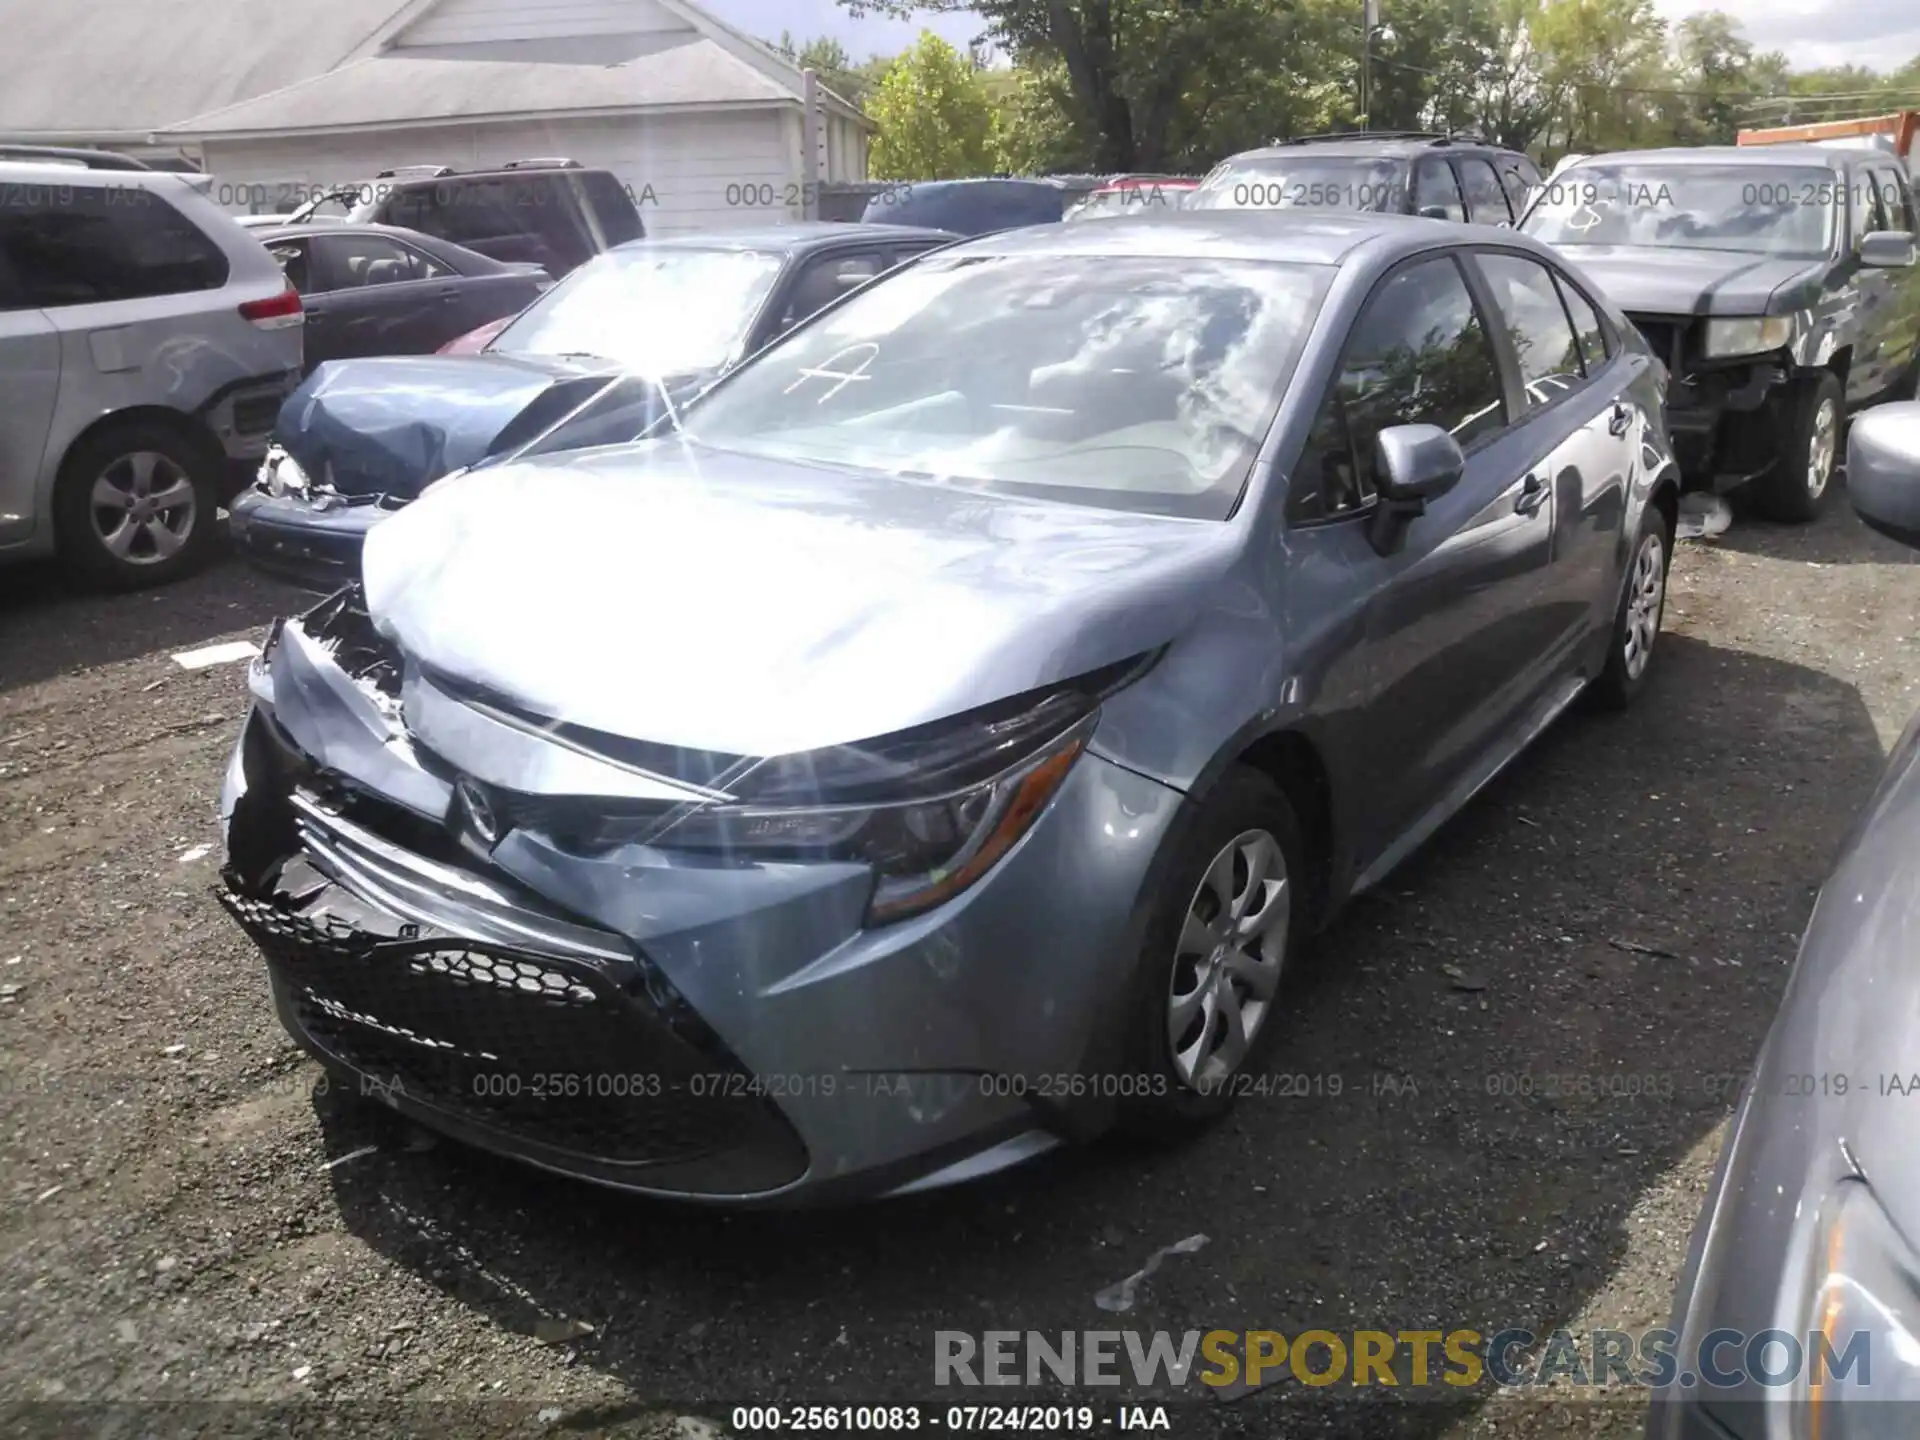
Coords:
1882,34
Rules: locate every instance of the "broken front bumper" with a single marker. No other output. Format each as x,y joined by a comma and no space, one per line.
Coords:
657,1021
292,537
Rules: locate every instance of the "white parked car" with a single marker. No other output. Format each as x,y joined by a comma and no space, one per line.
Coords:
146,344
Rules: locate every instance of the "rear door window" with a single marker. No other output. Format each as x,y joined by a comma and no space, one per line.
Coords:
1486,201
1869,205
613,207
351,262
1435,189
1536,324
291,256
1519,178
88,244
1896,197
825,280
1587,324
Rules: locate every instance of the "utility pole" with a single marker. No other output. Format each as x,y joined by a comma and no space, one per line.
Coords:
1369,22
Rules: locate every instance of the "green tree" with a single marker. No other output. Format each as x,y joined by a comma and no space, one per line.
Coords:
1134,71
1714,63
933,116
1513,101
1608,61
829,59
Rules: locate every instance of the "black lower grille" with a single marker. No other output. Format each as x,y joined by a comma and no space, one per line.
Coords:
1664,337
256,414
553,1052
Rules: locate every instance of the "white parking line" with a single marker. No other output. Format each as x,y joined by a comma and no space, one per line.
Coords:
224,654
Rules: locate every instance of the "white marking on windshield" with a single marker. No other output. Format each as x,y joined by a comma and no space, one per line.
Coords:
845,377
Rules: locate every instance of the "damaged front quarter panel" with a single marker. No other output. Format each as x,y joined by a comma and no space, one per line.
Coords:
331,685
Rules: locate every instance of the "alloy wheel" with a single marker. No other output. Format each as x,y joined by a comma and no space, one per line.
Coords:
1646,595
1823,448
1227,961
143,508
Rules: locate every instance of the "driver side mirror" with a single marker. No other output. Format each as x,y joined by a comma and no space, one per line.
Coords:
1887,249
1434,212
1883,470
1412,464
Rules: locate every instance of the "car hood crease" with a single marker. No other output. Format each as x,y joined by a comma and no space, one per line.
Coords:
1650,280
670,593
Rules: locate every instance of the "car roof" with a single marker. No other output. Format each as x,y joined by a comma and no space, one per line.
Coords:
454,177
1300,236
266,234
794,237
1352,146
41,172
1038,182
1734,155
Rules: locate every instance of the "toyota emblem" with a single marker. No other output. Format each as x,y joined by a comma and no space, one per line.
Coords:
481,818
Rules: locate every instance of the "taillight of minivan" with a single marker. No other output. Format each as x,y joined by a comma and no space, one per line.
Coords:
282,311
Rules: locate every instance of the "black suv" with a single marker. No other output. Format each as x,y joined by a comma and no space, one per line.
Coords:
1406,172
1778,285
556,214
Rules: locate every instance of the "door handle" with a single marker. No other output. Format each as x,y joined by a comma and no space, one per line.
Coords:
1533,494
1621,418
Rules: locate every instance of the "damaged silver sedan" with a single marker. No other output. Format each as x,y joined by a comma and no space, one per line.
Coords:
942,745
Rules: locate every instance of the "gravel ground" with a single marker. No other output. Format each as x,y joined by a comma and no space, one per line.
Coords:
191,1220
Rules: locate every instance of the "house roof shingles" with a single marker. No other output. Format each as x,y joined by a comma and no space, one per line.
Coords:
391,90
108,67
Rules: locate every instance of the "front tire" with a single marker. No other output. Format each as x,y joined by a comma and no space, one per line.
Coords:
1636,624
135,504
1796,489
1228,921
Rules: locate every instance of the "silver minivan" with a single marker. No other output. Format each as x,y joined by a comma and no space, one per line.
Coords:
146,345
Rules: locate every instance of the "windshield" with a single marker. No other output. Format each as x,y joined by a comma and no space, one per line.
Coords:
1304,182
1788,212
1126,382
657,311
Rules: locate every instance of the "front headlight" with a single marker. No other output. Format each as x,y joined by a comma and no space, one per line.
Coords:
1863,1317
931,810
281,476
923,852
1727,338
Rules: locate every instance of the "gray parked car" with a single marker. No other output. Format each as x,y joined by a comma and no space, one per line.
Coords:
1811,1221
942,746
146,345
1776,283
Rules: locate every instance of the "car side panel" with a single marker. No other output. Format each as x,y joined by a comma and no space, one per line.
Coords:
29,390
185,352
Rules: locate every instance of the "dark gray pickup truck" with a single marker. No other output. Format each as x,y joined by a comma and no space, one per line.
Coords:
1777,284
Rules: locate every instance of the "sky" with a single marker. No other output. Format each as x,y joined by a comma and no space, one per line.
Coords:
1882,34
810,19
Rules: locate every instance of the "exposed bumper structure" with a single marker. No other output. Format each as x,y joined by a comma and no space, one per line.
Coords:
1725,433
658,1021
293,538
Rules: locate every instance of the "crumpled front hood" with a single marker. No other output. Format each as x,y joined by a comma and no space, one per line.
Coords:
394,424
673,594
1644,280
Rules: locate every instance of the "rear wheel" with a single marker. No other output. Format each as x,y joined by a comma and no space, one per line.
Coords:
135,504
1795,490
1636,624
1206,986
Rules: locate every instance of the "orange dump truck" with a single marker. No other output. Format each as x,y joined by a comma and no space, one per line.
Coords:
1895,133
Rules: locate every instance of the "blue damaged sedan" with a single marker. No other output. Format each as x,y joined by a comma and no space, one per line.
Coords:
943,745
